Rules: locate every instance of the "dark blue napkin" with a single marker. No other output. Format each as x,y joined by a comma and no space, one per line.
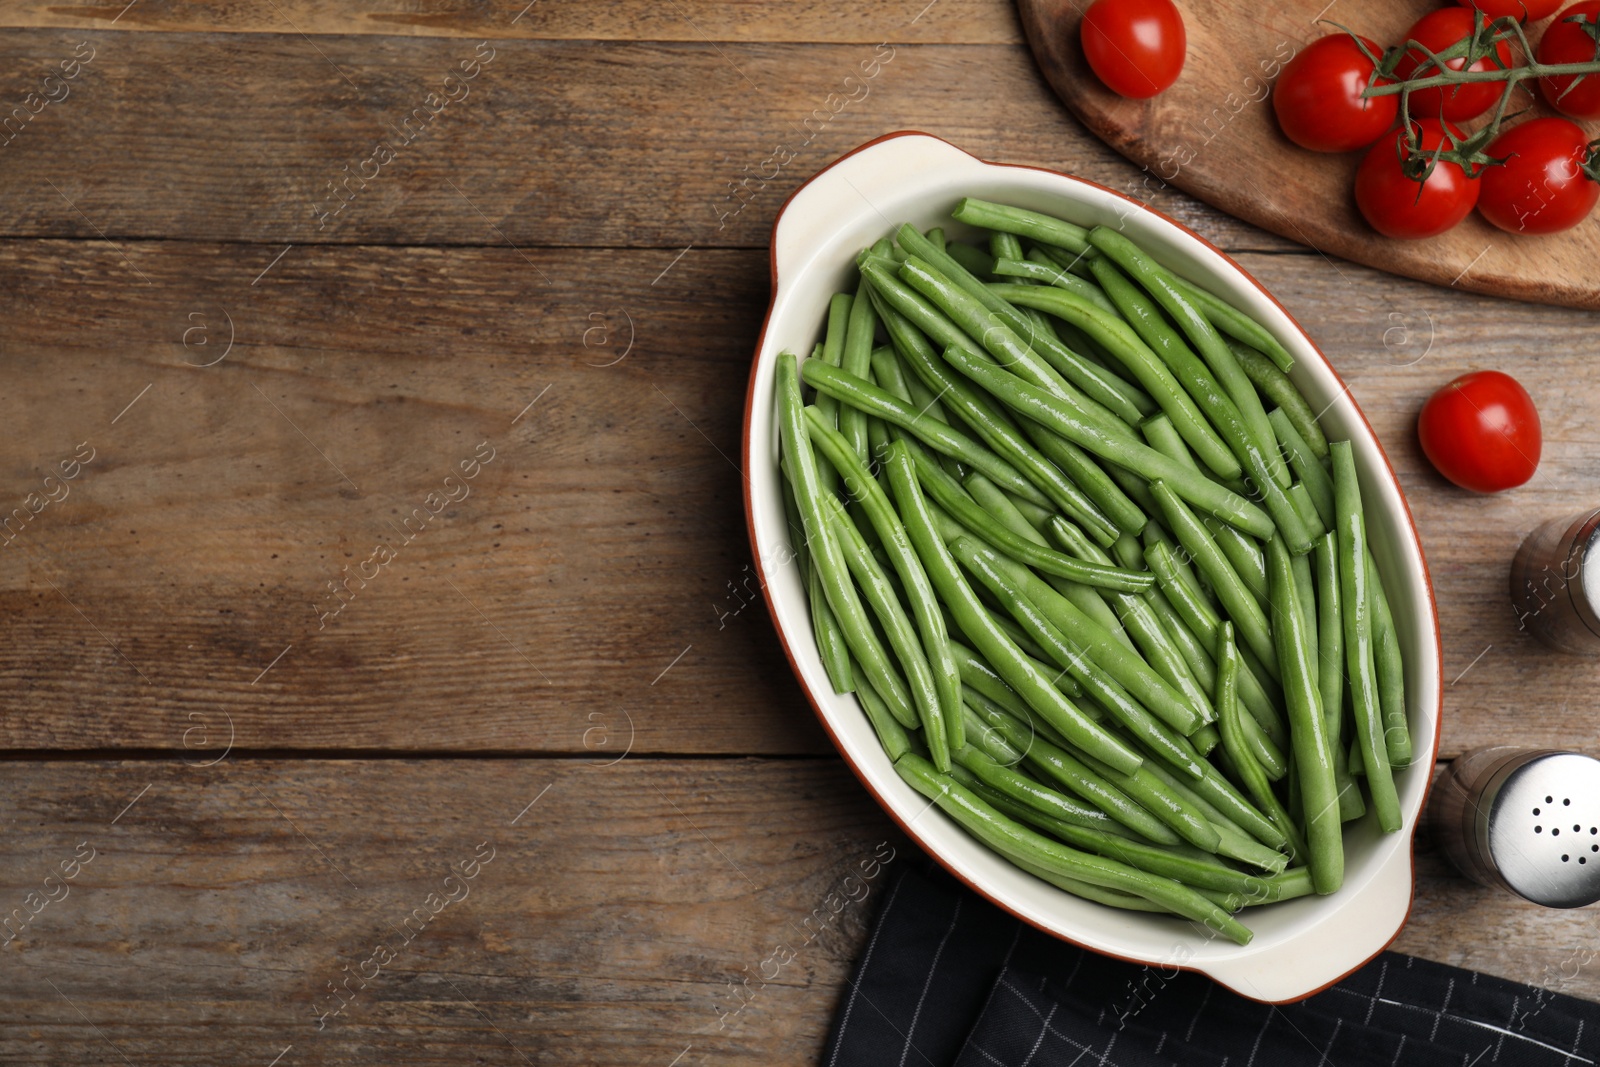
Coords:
949,980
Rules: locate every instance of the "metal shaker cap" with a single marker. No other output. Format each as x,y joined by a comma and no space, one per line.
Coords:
1544,830
1585,589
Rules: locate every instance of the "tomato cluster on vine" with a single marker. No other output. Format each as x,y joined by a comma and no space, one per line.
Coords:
1407,106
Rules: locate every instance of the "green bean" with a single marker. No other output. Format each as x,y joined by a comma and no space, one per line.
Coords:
1236,842
891,734
977,675
857,360
1055,414
937,435
1119,662
1104,389
891,374
1391,671
1024,223
831,643
975,260
1235,323
1140,623
838,326
1330,668
1004,245
944,677
1214,381
1356,586
954,499
935,237
1007,737
1013,840
831,647
827,558
1030,683
1085,598
1191,870
1300,497
1125,516
1032,513
1254,452
1268,736
1276,387
982,706
985,329
1231,720
1108,693
1306,465
1004,778
1313,759
1205,739
927,694
1034,270
1153,793
1085,816
1306,596
1225,582
1289,885
1125,345
976,410
1157,533
1246,559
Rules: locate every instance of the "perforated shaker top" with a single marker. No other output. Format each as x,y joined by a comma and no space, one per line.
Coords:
1544,830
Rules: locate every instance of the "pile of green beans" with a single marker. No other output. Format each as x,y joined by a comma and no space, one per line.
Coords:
1099,579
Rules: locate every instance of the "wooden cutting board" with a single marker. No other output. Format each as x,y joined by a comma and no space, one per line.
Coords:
1213,135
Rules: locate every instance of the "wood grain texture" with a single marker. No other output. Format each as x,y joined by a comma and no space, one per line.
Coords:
606,930
617,922
1214,136
602,545
952,21
606,538
573,143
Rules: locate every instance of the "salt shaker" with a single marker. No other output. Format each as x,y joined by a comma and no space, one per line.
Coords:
1524,820
1555,584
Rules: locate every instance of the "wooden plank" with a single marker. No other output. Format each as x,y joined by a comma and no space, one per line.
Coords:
658,145
943,21
596,568
1395,342
616,923
605,542
1213,134
607,928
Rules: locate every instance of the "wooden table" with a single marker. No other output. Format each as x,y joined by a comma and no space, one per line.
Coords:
538,742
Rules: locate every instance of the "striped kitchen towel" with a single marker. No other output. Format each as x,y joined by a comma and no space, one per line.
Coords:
948,980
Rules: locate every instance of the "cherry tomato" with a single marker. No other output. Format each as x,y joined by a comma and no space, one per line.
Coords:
1566,42
1392,202
1318,98
1533,9
1541,187
1135,46
1438,30
1482,432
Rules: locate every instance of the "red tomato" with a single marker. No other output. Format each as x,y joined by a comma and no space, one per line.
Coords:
1533,9
1135,46
1541,187
1438,30
1482,432
1318,98
1396,206
1566,42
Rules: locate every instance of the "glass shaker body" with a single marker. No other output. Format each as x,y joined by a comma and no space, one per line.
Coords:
1555,584
1523,820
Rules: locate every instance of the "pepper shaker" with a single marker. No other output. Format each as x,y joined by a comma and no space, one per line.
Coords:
1555,584
1523,820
